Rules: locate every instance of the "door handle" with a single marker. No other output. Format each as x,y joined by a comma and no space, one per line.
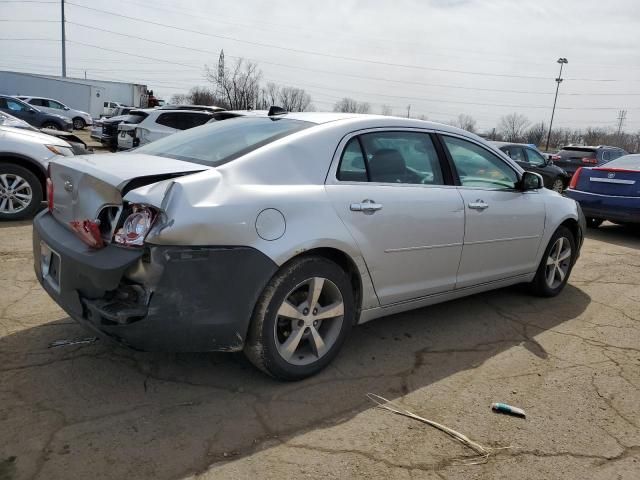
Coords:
478,205
367,206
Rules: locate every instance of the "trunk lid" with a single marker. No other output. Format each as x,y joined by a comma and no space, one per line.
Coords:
609,181
92,187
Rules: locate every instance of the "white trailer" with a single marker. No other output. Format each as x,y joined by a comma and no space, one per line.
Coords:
83,94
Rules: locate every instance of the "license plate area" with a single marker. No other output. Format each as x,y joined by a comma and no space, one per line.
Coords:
50,266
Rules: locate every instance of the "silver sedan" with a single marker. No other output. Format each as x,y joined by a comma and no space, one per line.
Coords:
276,233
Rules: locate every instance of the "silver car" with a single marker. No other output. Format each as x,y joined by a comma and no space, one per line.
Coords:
275,234
79,118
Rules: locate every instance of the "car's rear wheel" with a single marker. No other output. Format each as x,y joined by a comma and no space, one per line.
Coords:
20,192
51,126
301,319
594,222
79,123
556,264
558,185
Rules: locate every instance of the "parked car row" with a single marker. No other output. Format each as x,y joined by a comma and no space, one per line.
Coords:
136,127
33,115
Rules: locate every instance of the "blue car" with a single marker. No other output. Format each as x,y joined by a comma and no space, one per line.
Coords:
610,192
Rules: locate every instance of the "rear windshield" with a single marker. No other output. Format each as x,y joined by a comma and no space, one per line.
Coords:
216,143
572,151
631,162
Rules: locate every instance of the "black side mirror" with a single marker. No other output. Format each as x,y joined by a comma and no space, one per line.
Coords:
32,110
531,181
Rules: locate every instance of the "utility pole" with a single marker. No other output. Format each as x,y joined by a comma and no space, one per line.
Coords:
64,43
408,111
622,115
561,61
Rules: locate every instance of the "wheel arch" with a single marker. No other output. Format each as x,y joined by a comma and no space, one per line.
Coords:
344,261
23,161
574,227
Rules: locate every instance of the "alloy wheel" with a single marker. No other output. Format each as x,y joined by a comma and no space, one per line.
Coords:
309,321
558,262
15,193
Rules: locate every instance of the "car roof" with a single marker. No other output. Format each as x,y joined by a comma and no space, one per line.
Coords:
504,144
592,147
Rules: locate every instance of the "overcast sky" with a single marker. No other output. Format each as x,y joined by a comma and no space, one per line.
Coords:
448,56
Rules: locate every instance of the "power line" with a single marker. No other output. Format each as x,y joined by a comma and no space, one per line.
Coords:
327,55
339,73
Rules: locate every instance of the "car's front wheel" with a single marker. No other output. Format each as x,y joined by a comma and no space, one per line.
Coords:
556,264
20,192
51,126
558,185
79,123
301,319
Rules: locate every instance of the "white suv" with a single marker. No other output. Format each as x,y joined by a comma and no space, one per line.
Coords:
158,123
24,158
79,118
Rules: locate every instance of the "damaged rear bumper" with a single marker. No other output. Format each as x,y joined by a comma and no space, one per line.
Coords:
157,298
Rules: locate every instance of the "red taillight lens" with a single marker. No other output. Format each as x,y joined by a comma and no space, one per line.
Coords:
591,160
575,178
555,157
49,194
89,232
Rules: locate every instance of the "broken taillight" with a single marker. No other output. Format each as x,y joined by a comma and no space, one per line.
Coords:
49,194
89,232
49,190
136,226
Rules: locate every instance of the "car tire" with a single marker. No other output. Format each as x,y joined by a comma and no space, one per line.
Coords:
557,185
51,125
79,123
594,222
283,336
556,264
28,187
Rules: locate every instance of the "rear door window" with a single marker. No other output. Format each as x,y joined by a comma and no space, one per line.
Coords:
352,166
516,153
171,120
38,102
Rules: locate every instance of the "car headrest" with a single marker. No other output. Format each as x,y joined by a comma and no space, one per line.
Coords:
387,161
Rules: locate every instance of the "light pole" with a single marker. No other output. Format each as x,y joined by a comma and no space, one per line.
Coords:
64,40
561,61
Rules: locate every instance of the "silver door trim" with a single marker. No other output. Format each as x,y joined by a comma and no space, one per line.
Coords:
527,237
582,192
424,247
612,180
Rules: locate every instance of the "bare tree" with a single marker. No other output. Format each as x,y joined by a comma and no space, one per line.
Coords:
513,126
465,122
239,86
536,134
294,99
179,99
202,96
349,105
386,110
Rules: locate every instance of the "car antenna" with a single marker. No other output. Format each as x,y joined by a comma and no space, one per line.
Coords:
273,110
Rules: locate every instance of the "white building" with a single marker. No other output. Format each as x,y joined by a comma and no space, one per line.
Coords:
79,93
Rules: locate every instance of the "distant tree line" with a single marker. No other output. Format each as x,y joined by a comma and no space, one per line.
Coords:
240,87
